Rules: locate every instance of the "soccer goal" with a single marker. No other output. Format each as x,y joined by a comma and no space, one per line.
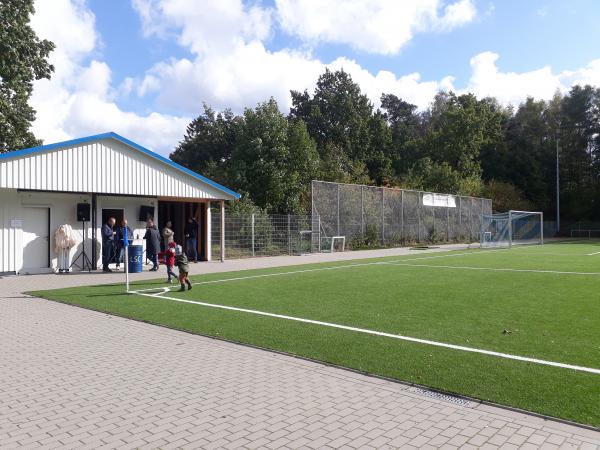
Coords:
512,228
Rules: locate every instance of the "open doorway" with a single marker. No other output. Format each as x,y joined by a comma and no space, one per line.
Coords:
178,214
118,214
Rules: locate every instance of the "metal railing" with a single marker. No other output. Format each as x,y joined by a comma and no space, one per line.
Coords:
254,235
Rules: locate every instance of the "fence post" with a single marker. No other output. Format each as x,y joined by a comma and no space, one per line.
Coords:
419,202
433,215
448,223
289,227
252,235
319,231
401,215
459,217
382,216
338,209
362,211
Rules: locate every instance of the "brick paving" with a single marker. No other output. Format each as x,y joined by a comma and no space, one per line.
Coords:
73,378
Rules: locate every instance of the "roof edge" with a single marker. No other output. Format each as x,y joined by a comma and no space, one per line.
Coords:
119,138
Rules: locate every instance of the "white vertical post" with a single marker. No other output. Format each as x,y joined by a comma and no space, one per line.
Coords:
126,262
542,226
510,228
252,230
208,236
222,231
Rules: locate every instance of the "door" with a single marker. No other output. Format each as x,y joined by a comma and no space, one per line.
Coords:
36,240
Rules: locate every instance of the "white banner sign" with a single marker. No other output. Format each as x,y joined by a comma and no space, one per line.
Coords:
439,200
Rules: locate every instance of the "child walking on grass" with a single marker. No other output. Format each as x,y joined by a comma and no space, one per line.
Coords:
169,258
183,265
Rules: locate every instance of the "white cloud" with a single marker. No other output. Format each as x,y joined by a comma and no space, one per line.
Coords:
213,26
79,99
234,69
377,26
230,66
513,87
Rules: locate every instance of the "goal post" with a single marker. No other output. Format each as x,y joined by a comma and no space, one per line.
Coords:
512,228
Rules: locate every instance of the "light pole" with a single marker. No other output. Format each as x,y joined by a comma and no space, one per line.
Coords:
557,185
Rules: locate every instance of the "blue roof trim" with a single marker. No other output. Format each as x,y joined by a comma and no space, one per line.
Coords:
113,135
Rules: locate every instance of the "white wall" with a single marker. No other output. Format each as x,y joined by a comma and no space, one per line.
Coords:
63,210
106,166
11,237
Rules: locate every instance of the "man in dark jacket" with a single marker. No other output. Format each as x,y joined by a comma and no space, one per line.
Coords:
152,237
120,237
191,239
108,243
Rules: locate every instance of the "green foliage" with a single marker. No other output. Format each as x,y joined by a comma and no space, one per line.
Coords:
460,145
23,59
369,240
505,196
261,154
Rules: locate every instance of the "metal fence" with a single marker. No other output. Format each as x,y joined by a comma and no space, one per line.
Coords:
396,216
252,235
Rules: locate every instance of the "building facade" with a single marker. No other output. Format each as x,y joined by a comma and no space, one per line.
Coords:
41,187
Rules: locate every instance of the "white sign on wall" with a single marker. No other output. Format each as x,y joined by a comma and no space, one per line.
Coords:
16,223
448,201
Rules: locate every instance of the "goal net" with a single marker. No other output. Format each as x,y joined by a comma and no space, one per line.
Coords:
512,228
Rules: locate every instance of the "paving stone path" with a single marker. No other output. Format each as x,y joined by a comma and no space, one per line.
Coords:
73,378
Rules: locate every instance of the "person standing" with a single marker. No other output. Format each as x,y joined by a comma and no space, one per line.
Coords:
108,243
152,237
191,237
168,235
121,240
169,258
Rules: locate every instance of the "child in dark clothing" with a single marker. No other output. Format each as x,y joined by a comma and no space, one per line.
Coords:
169,258
183,265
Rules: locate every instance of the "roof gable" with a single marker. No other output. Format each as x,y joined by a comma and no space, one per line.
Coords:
11,172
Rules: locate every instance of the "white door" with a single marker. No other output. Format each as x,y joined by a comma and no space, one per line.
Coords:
36,240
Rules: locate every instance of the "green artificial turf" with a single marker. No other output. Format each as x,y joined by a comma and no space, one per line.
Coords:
544,315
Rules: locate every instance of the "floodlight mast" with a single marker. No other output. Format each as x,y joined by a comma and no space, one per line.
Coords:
557,184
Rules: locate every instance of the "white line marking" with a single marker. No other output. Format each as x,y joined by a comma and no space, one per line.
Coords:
382,334
494,269
592,254
345,266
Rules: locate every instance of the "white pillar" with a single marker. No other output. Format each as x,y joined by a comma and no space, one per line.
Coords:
208,236
222,230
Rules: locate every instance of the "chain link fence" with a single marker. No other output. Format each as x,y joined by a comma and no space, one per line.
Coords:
254,235
395,216
391,217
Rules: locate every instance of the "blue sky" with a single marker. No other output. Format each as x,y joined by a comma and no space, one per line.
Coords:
145,66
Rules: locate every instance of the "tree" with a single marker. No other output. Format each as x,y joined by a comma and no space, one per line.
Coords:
261,154
275,159
340,118
23,59
209,143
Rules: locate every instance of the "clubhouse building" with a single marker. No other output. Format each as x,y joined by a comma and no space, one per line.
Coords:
83,182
